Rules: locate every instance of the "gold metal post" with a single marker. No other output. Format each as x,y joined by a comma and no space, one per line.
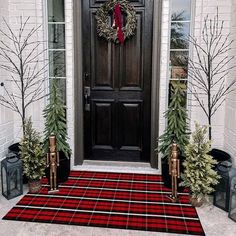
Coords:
174,171
53,163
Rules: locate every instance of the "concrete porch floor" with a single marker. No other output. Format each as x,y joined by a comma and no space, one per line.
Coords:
214,220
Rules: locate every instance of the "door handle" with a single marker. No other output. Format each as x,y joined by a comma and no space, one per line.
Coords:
87,93
86,76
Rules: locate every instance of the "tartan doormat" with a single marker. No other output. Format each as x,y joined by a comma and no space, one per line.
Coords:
114,200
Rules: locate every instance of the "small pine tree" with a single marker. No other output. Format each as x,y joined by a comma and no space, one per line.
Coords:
32,155
198,174
55,123
177,123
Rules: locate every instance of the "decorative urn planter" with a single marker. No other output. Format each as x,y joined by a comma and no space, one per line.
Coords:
196,202
34,186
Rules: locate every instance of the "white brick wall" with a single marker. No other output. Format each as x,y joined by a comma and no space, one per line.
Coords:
34,10
164,63
10,124
6,120
230,109
203,8
70,73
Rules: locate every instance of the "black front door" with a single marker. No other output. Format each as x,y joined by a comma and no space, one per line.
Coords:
118,80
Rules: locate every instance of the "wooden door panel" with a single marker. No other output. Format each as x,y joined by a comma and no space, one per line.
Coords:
101,60
130,133
132,59
102,123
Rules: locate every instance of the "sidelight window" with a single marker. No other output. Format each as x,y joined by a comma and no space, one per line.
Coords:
56,44
179,46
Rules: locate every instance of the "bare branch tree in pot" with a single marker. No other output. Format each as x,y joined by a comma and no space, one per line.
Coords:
27,72
209,70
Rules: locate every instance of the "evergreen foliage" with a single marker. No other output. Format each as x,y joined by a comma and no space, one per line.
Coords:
55,121
177,122
198,174
32,155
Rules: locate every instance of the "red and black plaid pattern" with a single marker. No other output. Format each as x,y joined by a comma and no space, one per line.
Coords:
115,200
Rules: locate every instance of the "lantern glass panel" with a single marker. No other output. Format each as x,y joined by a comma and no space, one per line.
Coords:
232,209
4,181
220,198
232,212
14,182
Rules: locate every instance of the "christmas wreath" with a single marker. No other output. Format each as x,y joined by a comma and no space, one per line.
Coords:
116,33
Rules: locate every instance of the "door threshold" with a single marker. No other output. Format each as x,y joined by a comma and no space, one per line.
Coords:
116,166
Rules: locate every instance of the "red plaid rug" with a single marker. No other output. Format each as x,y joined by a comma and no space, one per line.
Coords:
115,200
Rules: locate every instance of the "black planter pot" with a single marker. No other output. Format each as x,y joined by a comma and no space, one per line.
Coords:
165,172
15,148
63,170
222,158
220,155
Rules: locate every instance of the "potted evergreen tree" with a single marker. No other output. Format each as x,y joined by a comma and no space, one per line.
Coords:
177,129
55,123
32,155
199,175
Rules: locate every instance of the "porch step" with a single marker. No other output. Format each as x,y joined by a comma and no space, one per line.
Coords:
121,167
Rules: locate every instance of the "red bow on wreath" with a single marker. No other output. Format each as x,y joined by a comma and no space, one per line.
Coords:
118,23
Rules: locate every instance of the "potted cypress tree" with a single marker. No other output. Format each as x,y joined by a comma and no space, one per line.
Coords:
33,158
177,129
55,123
198,174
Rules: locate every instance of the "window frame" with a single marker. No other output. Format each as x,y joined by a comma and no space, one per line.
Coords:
49,50
190,54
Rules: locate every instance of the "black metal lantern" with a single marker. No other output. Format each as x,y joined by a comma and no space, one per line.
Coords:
11,176
232,203
222,193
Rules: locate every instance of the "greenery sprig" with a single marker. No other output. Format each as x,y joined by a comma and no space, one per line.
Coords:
55,121
32,155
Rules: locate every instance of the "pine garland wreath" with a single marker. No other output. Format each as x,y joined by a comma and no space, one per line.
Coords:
199,175
177,123
55,121
108,32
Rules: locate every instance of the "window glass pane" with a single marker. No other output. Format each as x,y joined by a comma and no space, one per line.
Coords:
181,10
179,34
57,64
56,11
178,64
56,36
61,83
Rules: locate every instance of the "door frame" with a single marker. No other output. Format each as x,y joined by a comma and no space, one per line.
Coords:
78,82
